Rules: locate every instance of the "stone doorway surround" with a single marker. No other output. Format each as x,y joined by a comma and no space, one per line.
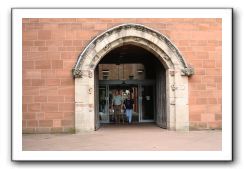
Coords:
177,72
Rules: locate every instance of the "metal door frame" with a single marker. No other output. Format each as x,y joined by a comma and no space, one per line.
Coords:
139,84
140,102
106,103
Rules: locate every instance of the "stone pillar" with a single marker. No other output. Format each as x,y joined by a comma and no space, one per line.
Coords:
84,104
170,100
181,103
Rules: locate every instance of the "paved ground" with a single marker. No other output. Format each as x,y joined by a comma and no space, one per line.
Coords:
135,137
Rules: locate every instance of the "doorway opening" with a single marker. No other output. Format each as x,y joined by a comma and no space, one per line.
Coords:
131,70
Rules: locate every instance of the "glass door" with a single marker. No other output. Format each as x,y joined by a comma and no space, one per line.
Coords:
146,103
142,94
103,104
124,91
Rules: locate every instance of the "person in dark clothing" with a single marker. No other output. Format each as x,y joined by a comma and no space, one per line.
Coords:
128,105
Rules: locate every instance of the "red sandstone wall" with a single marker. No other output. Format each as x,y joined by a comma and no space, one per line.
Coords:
51,47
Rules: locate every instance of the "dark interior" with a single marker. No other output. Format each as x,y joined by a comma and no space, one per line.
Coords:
128,54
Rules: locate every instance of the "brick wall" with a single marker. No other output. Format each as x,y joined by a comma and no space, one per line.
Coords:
51,47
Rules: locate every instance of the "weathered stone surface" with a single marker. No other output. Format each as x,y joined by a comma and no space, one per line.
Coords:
136,31
188,71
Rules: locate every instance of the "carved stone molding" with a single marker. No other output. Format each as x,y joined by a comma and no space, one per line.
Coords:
173,87
166,58
77,73
107,47
90,90
90,74
127,27
137,39
172,72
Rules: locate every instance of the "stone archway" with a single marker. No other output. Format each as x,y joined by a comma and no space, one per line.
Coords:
177,72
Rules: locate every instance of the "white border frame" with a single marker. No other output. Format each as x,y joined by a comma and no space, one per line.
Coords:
19,155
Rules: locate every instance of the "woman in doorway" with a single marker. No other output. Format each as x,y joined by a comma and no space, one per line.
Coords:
129,105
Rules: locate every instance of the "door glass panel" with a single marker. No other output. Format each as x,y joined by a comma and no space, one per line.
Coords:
147,103
143,102
103,106
124,91
111,110
134,96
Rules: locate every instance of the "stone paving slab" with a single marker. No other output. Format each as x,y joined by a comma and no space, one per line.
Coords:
124,137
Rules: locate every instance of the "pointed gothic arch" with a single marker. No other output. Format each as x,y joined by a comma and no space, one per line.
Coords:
177,72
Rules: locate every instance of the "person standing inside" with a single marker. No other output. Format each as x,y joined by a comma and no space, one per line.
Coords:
117,105
129,105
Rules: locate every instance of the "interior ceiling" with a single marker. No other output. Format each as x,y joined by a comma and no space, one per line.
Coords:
128,54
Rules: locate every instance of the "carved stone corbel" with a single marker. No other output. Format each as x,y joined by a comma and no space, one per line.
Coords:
188,71
77,73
